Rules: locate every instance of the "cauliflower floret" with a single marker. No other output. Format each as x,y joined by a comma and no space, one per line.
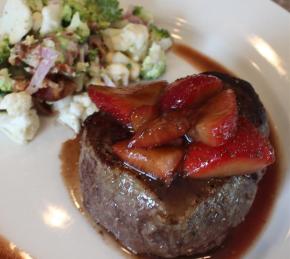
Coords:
36,5
133,38
117,57
95,81
20,122
119,73
165,43
22,128
89,111
111,37
70,120
74,110
94,70
62,104
161,37
16,103
83,99
37,21
135,70
107,79
51,18
138,36
82,66
154,65
16,20
29,40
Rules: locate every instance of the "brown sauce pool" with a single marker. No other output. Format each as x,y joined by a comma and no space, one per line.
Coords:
9,250
198,60
240,238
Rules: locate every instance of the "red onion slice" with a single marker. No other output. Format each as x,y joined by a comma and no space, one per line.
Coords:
48,58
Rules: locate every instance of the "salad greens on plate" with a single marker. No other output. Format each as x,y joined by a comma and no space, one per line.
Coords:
52,50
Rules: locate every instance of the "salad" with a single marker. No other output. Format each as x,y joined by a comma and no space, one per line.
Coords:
52,50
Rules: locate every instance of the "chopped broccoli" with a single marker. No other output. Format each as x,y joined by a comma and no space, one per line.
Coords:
137,10
158,34
4,50
79,27
103,12
63,40
154,65
36,5
6,83
143,14
78,6
93,54
108,12
67,14
82,67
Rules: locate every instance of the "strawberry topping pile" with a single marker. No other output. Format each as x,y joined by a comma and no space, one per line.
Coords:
189,128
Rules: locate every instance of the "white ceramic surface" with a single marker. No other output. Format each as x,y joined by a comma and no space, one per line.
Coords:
251,38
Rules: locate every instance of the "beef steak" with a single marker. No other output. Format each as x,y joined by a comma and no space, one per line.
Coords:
189,217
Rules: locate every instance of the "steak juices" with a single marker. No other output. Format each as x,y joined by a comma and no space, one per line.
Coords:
169,169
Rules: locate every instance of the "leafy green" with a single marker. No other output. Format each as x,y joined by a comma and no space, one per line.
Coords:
158,34
103,12
4,50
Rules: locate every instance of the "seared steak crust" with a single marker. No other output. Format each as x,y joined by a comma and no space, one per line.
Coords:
189,217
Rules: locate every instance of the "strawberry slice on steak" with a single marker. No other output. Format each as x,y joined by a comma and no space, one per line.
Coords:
247,152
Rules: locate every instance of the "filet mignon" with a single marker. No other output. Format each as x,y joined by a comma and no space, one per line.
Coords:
189,217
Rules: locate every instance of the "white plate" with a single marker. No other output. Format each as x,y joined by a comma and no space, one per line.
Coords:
251,38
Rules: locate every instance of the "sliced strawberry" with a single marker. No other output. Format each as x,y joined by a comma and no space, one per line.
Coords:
190,91
120,102
159,163
143,114
247,152
218,120
118,106
169,126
